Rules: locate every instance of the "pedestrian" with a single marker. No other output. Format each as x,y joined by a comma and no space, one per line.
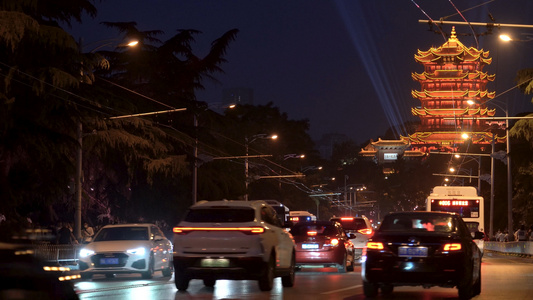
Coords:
65,235
521,234
505,237
87,233
498,236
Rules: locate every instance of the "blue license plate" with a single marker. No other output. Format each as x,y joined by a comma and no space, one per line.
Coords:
413,251
109,261
309,246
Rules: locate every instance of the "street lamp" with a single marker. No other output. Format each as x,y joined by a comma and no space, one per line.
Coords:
247,142
509,175
79,152
195,151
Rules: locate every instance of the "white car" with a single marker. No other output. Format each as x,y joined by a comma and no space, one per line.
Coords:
127,248
233,240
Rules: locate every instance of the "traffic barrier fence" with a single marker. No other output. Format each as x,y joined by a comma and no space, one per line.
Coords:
62,254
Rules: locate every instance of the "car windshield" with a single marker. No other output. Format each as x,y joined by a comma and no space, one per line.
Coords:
221,215
303,229
352,224
122,234
417,222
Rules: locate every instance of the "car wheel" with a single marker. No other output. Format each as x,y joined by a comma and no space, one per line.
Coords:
167,272
86,276
477,285
181,280
370,289
342,267
109,276
352,264
210,282
387,289
288,280
148,274
466,288
266,280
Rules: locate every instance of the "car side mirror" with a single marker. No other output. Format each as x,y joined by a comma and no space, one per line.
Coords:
158,238
478,235
351,235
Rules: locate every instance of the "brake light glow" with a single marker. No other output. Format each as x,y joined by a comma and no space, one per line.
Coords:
452,247
311,233
247,230
365,231
347,219
334,242
374,245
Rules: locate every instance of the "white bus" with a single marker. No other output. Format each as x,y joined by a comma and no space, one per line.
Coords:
462,200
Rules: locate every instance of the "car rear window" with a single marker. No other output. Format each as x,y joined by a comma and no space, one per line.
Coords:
302,230
351,224
417,222
122,234
221,215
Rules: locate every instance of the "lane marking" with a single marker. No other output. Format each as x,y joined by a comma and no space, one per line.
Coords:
342,290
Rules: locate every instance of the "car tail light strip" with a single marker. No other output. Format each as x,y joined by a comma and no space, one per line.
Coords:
365,231
248,230
374,245
452,247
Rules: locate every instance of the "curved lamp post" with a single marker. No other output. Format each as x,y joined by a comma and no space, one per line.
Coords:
247,142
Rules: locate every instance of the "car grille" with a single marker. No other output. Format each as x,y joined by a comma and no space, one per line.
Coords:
97,259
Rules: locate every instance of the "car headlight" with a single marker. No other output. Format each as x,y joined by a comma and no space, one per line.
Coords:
86,252
137,251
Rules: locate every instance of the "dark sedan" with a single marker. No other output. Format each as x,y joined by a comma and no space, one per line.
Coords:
323,244
422,249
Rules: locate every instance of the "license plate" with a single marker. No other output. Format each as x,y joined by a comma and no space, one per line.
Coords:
109,261
413,251
309,246
215,263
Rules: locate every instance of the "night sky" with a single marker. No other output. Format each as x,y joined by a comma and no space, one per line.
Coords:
344,65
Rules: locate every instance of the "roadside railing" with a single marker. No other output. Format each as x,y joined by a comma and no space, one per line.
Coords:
61,254
515,248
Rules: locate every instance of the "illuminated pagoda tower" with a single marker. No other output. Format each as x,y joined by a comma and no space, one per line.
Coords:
453,95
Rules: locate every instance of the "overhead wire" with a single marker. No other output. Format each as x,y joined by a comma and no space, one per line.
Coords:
432,21
470,25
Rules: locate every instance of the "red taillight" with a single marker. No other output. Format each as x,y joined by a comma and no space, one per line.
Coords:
374,245
347,219
311,233
247,230
452,247
334,242
365,231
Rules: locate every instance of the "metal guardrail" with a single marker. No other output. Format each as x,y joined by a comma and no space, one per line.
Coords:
62,254
68,254
515,248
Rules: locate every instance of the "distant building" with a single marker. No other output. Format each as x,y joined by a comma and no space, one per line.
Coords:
238,96
328,141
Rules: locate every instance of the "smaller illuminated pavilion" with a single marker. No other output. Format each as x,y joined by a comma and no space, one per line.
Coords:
453,87
387,151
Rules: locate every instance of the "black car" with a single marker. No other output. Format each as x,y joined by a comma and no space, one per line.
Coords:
422,249
23,275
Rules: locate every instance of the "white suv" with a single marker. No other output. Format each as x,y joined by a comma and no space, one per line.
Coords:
361,227
233,240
